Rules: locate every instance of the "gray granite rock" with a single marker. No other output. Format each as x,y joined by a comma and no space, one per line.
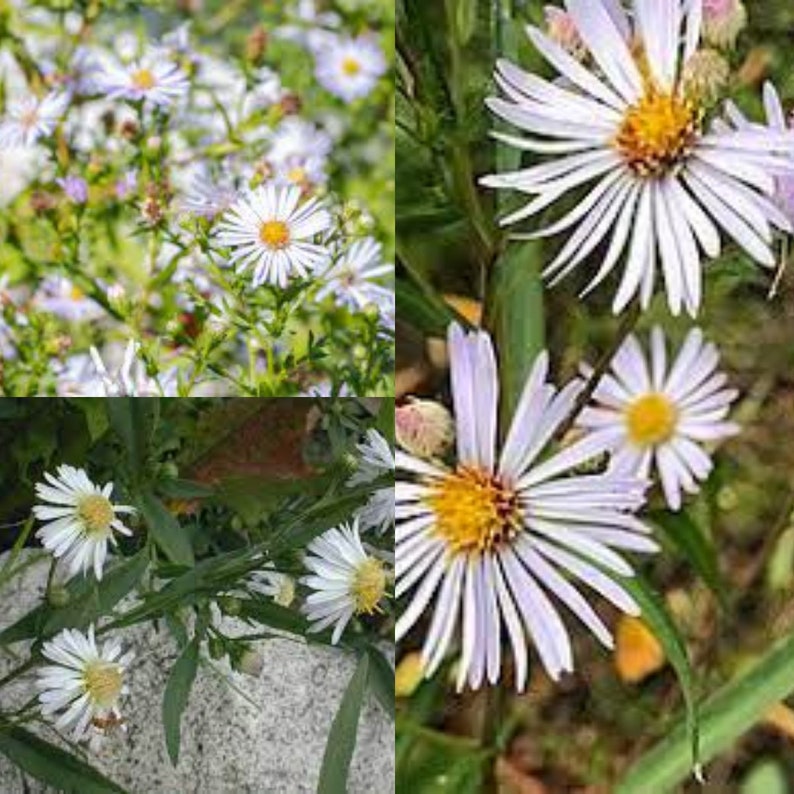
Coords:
240,734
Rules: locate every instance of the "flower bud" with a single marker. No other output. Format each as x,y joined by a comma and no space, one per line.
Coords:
424,428
408,675
706,75
251,663
723,21
561,29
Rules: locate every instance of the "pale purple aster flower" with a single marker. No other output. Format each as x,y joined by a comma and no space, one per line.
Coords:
75,188
349,68
64,299
651,416
491,540
153,78
352,278
126,185
653,181
29,119
299,153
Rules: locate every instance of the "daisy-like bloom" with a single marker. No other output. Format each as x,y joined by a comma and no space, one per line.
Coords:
351,279
61,297
298,153
153,78
723,21
278,586
776,120
346,580
29,119
492,538
376,459
85,684
207,197
649,415
378,512
75,188
665,182
80,519
349,68
272,232
131,378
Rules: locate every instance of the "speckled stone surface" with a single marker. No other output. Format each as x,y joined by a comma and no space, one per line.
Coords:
240,735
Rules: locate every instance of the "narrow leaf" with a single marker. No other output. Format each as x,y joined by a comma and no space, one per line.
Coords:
133,419
724,717
342,738
381,679
175,697
53,766
166,530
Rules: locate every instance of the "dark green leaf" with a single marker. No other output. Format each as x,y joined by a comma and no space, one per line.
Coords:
724,717
52,765
385,421
169,535
656,617
95,413
185,489
275,616
133,419
342,738
175,697
381,679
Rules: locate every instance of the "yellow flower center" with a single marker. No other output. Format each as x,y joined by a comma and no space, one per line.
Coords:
651,419
350,66
475,512
657,132
274,234
143,80
103,681
369,584
96,513
76,294
297,175
29,118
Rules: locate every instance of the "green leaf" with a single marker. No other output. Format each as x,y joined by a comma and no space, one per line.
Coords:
95,413
656,617
515,317
766,777
687,536
385,420
724,717
275,616
428,315
342,738
166,530
465,19
133,419
175,697
88,600
52,765
381,679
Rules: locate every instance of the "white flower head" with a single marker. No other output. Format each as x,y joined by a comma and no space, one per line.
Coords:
349,68
378,512
131,378
153,78
273,584
80,519
654,416
346,580
494,539
64,299
29,119
352,278
377,459
85,684
272,232
299,153
658,184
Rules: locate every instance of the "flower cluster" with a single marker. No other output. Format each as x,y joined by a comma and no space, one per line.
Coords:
221,216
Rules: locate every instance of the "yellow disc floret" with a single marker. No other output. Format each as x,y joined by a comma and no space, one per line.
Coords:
143,80
102,682
651,419
368,586
96,513
658,132
475,512
351,67
274,234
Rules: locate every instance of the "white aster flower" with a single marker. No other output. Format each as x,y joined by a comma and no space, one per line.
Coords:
85,684
131,378
351,279
61,297
652,416
377,459
346,581
378,512
299,153
349,68
80,519
30,118
278,586
491,539
272,232
665,182
776,120
153,78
